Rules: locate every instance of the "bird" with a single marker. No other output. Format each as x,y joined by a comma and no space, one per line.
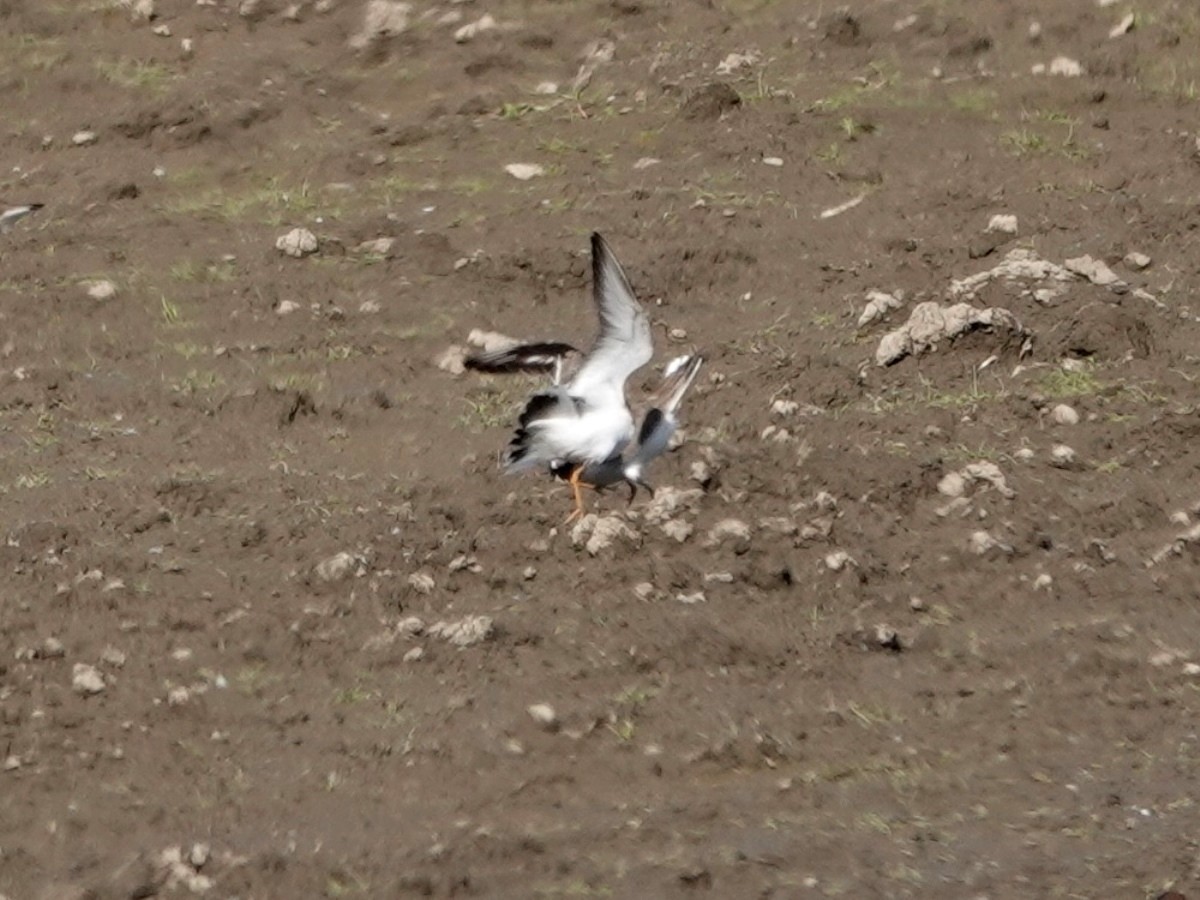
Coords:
12,214
659,424
586,422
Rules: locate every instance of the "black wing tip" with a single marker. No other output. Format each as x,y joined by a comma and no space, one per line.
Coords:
650,422
537,357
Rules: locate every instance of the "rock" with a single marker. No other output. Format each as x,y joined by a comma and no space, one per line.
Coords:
162,30
838,560
410,626
415,654
1002,224
692,598
677,529
336,567
546,88
735,61
199,855
490,341
297,243
1065,67
1137,261
952,484
1064,415
595,533
1025,454
380,246
879,304
139,9
981,542
1019,264
726,529
646,162
524,171
383,19
453,360
782,407
465,563
421,582
1042,582
111,656
464,632
669,501
931,323
178,696
644,590
101,289
52,648
84,138
1062,456
1093,270
544,715
86,679
774,161
1123,27
470,30
286,307
529,573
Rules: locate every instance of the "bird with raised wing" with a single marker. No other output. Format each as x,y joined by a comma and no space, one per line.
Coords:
12,214
659,424
587,421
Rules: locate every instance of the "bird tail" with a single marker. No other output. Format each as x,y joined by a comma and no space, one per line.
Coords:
521,453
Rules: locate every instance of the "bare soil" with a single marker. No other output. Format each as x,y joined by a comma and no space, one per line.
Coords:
229,488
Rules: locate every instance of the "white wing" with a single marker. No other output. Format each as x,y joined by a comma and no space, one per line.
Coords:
624,343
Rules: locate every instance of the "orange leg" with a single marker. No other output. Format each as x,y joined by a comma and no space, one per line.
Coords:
577,489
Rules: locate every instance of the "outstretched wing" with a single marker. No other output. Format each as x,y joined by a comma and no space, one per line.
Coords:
545,356
624,343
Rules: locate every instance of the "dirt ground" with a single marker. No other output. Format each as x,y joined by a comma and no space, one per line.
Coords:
272,622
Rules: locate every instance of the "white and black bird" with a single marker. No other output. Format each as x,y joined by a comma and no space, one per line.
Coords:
659,423
12,214
581,428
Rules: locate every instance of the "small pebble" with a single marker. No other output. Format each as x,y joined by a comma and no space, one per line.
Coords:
1064,415
297,243
772,161
414,654
1003,224
1137,261
544,715
838,560
1061,455
524,171
86,679
84,138
1042,582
